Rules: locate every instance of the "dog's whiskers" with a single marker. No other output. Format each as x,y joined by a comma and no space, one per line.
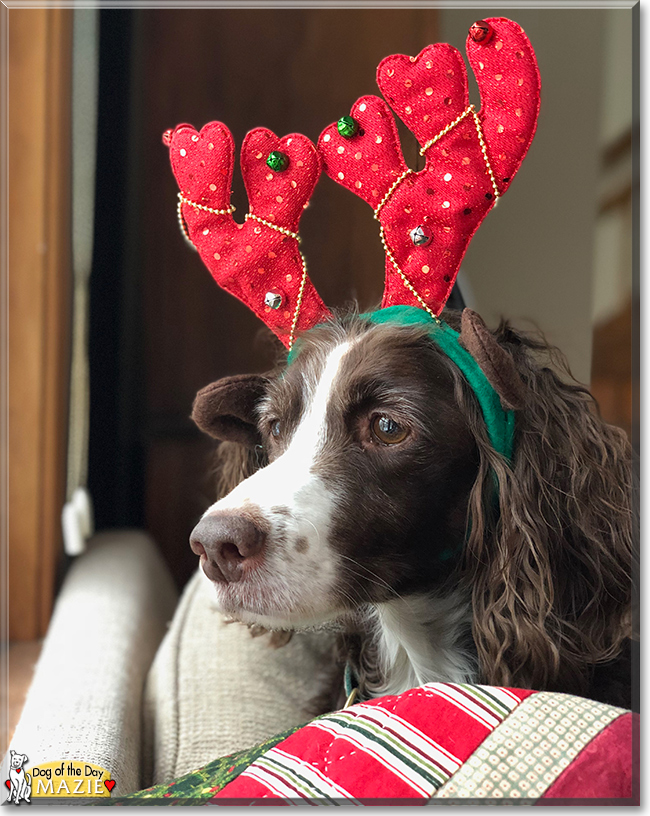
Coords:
311,524
379,580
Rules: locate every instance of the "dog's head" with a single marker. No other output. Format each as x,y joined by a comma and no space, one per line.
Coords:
17,760
378,478
365,494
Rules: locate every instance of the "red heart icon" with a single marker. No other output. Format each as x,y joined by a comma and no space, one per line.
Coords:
110,784
18,770
8,784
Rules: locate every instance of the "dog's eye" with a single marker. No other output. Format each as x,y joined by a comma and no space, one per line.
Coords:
388,431
276,428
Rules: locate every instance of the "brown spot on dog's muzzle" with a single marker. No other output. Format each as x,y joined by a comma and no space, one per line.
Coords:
229,543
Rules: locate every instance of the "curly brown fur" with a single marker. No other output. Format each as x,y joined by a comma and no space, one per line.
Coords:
550,572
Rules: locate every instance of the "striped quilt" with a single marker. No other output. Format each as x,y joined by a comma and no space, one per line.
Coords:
440,741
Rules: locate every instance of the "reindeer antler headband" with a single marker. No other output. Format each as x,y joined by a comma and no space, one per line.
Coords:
427,218
258,261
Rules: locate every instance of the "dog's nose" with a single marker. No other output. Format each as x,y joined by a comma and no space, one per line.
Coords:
227,541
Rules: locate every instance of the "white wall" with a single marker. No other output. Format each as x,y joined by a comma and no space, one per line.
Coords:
533,257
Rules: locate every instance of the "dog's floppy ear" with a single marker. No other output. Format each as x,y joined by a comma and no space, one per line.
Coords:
549,559
225,409
494,361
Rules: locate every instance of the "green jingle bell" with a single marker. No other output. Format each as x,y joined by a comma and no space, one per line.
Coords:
278,162
347,127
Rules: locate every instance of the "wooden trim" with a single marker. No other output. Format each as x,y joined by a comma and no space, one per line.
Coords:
39,285
621,147
621,198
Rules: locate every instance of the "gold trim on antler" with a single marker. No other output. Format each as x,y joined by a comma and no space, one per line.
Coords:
389,254
181,221
446,130
391,190
283,230
226,210
294,322
405,280
301,291
408,171
479,133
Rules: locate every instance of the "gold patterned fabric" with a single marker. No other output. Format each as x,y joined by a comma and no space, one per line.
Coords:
524,756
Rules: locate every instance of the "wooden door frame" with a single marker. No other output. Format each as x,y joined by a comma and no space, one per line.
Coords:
36,269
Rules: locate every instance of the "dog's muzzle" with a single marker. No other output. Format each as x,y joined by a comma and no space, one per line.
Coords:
229,546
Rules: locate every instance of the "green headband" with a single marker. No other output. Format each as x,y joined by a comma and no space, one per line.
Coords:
499,422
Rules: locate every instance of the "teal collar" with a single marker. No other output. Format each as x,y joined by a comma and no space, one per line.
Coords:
499,422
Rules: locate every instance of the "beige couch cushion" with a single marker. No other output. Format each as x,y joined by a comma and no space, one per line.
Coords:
213,689
85,700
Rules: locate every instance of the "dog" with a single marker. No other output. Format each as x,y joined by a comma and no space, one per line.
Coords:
359,490
21,782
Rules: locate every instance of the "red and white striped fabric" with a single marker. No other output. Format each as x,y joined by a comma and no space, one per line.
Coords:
396,747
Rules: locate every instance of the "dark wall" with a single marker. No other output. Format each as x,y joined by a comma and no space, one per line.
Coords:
166,327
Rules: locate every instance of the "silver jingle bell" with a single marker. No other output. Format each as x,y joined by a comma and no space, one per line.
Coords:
273,300
419,236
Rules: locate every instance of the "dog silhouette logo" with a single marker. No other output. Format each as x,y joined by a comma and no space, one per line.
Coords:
19,782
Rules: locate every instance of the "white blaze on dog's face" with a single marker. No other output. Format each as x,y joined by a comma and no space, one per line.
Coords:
294,583
362,486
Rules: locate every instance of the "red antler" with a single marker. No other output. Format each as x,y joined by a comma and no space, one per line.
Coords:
428,218
257,261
